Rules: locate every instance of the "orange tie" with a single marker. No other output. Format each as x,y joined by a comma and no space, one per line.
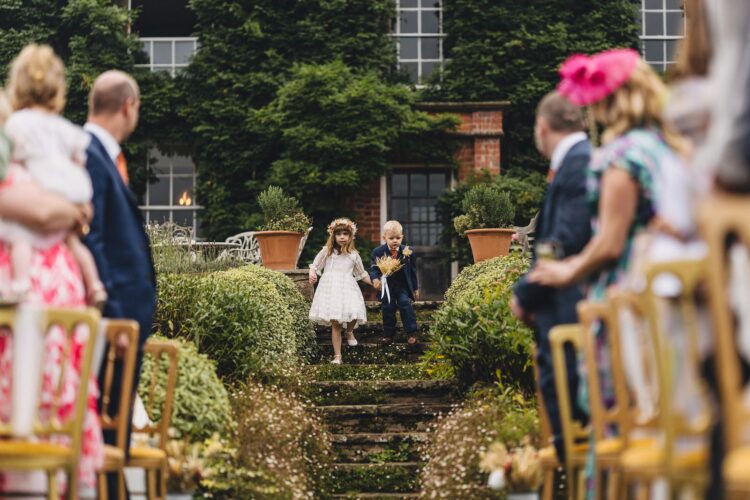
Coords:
550,175
394,252
122,167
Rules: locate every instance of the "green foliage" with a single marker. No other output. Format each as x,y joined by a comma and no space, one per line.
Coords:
201,404
506,49
475,333
486,206
281,212
280,449
457,445
252,321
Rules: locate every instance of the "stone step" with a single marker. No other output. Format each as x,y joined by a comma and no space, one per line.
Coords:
341,392
379,447
402,477
374,353
422,305
374,329
378,418
367,372
376,496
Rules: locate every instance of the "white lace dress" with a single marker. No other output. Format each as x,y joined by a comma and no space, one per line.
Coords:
338,297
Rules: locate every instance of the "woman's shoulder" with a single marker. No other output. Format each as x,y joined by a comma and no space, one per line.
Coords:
635,146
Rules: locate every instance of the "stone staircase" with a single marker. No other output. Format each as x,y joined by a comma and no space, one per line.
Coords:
380,407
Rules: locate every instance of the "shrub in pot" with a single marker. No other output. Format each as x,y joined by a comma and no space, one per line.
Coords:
281,233
488,215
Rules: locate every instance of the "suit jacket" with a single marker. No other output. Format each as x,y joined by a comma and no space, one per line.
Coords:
410,267
119,243
565,220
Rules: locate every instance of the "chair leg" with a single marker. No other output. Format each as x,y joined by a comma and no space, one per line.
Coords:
73,485
613,487
121,484
581,489
101,481
151,484
52,485
163,475
548,485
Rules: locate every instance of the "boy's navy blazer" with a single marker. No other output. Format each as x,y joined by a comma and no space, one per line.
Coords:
410,267
119,243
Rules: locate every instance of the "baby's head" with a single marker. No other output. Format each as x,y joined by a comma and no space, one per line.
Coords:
37,79
393,233
5,109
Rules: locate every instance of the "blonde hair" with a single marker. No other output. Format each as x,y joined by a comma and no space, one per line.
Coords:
5,109
331,244
37,78
638,102
393,225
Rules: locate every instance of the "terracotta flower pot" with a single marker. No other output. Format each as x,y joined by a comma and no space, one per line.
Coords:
489,243
278,249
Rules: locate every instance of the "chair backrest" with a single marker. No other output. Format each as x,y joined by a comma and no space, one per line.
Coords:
69,324
722,219
302,244
559,337
117,418
690,274
595,315
248,251
160,385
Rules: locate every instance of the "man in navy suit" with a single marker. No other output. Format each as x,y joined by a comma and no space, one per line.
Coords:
117,238
563,229
403,287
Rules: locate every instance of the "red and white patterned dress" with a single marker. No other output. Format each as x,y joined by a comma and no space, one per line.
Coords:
55,281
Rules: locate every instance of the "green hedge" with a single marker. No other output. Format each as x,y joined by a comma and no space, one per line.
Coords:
475,335
250,320
201,403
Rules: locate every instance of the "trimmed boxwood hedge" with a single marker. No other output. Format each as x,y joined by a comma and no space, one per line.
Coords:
250,320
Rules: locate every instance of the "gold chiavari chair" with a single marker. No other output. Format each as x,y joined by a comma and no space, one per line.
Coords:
37,452
575,437
117,421
682,468
158,408
721,219
547,454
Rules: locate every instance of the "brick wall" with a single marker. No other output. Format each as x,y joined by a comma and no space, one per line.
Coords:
365,203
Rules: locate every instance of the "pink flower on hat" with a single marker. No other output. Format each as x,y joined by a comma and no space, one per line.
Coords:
588,79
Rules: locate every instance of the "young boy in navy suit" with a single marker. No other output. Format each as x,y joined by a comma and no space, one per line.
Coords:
402,285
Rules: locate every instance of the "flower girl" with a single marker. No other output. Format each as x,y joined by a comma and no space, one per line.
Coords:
338,300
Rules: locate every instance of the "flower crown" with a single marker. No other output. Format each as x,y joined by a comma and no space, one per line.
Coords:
342,222
586,80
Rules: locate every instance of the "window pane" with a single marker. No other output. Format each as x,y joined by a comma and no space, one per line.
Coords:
418,185
182,52
183,217
162,53
428,68
431,4
400,210
399,185
654,50
430,21
430,48
147,49
674,23
437,184
654,24
658,67
408,4
183,191
436,233
674,4
420,210
163,69
671,50
158,192
412,69
654,4
408,21
408,46
158,216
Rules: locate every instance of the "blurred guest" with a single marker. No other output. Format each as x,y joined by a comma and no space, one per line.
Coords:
117,238
563,229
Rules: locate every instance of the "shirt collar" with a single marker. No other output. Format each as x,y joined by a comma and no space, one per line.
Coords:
110,144
563,147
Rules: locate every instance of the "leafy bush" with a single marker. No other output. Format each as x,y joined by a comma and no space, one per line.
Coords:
250,320
281,212
280,449
456,447
201,403
485,206
474,332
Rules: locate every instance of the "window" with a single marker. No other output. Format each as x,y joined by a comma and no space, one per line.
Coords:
169,54
418,32
662,26
414,197
171,197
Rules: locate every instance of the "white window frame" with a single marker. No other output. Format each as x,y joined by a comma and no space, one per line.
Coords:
173,66
663,38
440,35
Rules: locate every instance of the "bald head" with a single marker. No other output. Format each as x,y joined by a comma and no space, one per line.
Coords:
111,90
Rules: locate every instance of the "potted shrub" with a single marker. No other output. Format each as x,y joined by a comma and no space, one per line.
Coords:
488,213
284,226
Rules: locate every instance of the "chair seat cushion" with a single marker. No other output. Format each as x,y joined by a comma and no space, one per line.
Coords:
640,457
615,445
145,456
736,467
114,458
26,448
548,456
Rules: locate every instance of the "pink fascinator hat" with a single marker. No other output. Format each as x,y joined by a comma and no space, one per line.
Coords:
588,79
